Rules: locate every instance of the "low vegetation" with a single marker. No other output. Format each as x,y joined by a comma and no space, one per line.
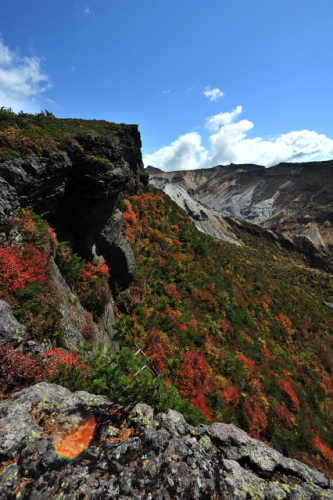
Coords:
22,134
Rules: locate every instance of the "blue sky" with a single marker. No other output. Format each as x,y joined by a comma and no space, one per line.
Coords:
207,81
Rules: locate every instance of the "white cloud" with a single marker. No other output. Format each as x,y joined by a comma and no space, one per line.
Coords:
186,152
213,94
165,91
87,10
230,144
22,80
214,122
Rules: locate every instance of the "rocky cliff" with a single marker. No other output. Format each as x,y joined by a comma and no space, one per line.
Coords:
58,444
75,183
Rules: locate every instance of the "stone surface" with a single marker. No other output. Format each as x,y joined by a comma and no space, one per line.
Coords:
9,204
11,331
114,246
137,453
73,315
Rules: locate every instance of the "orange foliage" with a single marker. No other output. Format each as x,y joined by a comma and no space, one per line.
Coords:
225,325
171,289
256,409
79,438
209,300
231,395
131,221
294,401
324,449
248,363
286,323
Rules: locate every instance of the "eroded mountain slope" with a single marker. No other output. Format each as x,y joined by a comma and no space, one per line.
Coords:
294,199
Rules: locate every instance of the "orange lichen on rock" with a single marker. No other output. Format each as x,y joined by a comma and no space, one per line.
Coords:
72,444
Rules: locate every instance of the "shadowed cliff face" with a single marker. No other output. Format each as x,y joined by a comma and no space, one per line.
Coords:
78,190
294,200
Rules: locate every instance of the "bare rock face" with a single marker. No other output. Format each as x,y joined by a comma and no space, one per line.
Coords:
115,247
135,453
9,204
11,331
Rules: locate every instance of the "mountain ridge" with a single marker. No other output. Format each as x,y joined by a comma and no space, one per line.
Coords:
281,198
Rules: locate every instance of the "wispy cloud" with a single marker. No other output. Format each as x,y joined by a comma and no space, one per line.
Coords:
162,93
229,144
213,94
22,80
87,10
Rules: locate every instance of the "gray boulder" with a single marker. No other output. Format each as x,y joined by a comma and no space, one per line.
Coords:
11,331
137,454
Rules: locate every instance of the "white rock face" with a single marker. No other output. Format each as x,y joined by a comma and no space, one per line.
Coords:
241,206
206,220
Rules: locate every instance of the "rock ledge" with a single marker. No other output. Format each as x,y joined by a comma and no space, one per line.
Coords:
137,453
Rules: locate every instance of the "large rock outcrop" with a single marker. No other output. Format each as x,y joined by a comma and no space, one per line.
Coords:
11,331
78,191
136,453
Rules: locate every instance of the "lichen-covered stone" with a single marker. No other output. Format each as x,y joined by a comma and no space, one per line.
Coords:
11,331
9,204
137,453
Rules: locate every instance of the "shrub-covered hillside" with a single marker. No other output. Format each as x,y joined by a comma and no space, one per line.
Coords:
22,134
243,334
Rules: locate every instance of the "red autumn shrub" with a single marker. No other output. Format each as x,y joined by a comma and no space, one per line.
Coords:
201,404
294,402
22,265
57,356
18,371
248,362
95,270
324,449
283,415
195,382
231,395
